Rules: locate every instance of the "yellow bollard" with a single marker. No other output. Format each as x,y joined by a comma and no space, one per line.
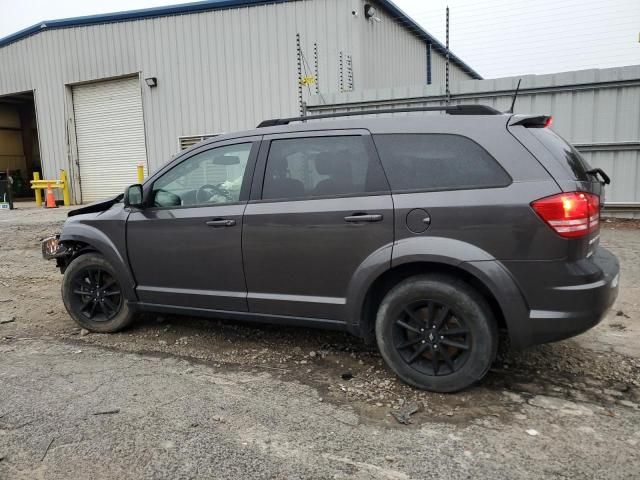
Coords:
140,173
36,176
65,188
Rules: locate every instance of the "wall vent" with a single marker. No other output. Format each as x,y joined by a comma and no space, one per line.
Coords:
187,141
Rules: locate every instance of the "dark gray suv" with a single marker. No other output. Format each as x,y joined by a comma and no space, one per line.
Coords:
429,233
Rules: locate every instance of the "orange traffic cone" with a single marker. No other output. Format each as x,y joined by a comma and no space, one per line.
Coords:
50,198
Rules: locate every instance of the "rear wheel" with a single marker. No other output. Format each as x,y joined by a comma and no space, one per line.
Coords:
436,333
93,296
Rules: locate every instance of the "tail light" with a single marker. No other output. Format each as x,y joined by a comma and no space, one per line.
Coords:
572,214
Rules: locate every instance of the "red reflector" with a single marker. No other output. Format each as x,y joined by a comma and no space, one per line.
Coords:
548,122
572,214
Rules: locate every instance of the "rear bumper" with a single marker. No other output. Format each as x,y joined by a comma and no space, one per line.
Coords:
566,298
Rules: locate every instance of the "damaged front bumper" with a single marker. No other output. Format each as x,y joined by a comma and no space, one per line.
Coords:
52,248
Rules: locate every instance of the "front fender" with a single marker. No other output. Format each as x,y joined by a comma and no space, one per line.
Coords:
101,242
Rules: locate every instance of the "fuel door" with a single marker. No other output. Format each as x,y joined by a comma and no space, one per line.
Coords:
418,220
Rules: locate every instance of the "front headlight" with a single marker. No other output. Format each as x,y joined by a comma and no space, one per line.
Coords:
51,247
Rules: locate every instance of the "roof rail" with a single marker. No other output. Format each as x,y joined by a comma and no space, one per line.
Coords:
450,109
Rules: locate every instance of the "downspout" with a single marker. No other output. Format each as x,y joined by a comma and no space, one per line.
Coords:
428,63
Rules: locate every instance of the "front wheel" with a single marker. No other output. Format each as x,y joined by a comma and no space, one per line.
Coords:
436,333
93,295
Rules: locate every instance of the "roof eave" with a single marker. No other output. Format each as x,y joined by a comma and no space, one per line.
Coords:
194,7
185,8
398,13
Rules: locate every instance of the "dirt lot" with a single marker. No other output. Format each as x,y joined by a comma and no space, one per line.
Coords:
176,397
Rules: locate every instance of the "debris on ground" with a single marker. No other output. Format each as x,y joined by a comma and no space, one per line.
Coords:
84,332
620,313
403,415
347,376
107,412
7,320
47,450
533,432
618,326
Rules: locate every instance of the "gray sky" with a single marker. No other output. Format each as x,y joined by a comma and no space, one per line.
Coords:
495,37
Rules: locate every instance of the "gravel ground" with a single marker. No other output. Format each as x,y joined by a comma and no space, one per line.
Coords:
176,397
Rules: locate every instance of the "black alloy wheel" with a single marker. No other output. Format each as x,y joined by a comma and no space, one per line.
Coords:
436,332
96,294
432,338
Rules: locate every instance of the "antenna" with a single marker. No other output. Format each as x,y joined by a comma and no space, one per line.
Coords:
447,91
515,95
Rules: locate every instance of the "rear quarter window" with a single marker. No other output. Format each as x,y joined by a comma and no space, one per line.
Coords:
563,152
416,162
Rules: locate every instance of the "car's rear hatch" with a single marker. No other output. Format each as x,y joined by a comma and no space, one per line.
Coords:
573,174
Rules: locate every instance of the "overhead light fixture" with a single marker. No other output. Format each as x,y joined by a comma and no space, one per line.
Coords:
151,81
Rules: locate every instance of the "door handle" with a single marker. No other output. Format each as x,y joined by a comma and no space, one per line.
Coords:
363,217
221,222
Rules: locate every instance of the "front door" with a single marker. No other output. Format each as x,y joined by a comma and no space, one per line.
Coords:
322,209
185,247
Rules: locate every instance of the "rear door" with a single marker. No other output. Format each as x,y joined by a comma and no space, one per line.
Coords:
320,206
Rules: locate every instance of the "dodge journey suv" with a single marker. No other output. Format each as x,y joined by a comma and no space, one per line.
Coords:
427,233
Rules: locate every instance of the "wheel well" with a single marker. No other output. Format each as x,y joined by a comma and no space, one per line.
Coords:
392,277
74,250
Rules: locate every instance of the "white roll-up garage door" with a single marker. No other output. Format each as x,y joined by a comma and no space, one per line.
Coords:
109,135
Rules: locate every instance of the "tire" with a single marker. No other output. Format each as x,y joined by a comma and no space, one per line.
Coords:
467,333
93,296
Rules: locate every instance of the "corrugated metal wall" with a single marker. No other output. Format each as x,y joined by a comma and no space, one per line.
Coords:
389,56
217,71
438,71
596,110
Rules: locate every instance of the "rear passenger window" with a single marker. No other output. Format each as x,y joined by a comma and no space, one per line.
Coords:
321,166
437,162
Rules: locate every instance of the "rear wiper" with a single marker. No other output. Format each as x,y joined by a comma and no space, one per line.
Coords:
598,171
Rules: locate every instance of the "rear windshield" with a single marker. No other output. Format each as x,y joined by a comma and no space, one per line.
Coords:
568,156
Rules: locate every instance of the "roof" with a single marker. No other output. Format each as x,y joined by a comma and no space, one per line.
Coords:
377,125
208,5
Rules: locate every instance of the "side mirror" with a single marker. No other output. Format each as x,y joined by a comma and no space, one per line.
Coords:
133,196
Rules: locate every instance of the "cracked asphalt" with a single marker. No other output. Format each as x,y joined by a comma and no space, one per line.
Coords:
176,397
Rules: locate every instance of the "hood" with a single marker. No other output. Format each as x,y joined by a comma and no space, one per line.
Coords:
99,206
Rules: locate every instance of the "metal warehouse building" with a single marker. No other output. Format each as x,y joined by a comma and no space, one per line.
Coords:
99,95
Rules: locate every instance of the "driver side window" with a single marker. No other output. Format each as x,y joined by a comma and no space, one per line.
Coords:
212,177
